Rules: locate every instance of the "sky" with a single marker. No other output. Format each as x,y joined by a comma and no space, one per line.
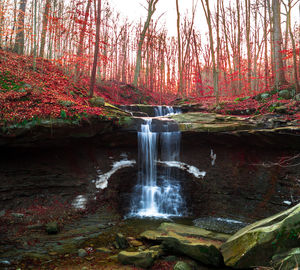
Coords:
134,10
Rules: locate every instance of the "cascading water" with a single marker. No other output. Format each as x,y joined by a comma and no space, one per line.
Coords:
157,195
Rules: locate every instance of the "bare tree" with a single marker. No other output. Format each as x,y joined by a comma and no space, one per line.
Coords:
44,27
277,41
19,43
93,76
211,41
151,9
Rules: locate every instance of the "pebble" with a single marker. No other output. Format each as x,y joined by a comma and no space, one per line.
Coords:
82,253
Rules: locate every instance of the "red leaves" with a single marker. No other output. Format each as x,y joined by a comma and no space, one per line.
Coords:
47,91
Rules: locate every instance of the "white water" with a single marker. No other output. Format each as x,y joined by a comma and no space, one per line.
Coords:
157,195
165,110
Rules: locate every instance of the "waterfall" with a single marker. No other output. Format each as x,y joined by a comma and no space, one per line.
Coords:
165,110
157,194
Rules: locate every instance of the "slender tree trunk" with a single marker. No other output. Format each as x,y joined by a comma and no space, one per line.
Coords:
81,37
277,39
151,10
93,76
293,46
19,43
239,45
215,72
44,27
180,86
247,5
266,45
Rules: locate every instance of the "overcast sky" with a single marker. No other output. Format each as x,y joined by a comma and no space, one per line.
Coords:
134,10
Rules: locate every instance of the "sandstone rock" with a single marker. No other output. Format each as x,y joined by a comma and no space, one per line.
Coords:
287,260
197,243
52,228
142,259
256,244
182,266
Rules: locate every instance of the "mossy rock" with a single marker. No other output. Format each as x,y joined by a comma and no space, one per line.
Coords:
196,243
143,259
256,244
97,101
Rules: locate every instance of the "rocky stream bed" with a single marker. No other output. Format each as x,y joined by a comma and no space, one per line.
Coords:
65,190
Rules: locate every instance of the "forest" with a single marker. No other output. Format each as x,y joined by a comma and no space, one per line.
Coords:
149,134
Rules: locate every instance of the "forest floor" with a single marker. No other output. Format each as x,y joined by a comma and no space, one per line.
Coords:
43,92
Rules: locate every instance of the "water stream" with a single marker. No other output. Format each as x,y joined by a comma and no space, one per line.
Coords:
157,194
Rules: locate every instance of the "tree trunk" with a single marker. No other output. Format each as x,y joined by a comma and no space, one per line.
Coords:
19,43
277,40
151,10
215,72
81,38
93,76
44,27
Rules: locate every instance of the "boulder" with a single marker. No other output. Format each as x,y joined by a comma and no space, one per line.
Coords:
285,94
196,243
287,260
144,259
256,244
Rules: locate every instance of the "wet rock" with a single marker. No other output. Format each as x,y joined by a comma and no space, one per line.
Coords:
17,215
144,259
197,243
52,228
287,260
182,266
82,253
286,94
121,241
222,225
256,244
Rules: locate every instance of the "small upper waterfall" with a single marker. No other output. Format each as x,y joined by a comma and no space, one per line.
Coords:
157,194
